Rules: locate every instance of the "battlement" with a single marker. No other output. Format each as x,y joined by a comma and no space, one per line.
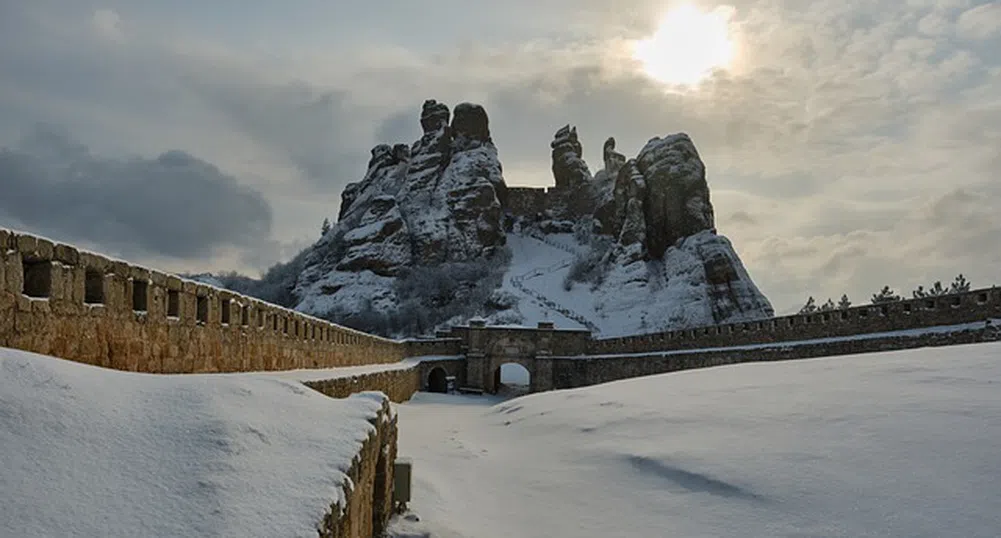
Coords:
77,305
973,306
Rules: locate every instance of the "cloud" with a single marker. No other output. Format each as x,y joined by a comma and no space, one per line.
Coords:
981,22
108,25
848,136
174,205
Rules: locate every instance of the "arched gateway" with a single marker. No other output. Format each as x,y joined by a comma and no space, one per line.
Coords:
489,348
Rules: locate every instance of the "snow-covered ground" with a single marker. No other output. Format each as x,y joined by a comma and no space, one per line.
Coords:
531,258
90,452
904,444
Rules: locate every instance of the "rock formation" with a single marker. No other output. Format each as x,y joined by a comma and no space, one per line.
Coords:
569,169
436,202
665,250
423,236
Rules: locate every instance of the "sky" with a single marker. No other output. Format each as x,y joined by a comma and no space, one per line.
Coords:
849,144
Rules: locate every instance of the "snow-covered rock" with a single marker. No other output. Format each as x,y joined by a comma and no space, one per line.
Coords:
428,238
437,202
667,268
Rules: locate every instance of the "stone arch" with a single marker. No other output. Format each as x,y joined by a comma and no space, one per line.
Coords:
437,380
512,377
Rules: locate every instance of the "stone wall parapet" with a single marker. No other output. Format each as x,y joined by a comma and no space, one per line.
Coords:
973,306
78,305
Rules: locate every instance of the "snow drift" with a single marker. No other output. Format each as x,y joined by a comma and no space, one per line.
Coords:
94,452
900,444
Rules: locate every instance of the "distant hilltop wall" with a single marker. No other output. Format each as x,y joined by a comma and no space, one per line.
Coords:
60,301
526,201
969,307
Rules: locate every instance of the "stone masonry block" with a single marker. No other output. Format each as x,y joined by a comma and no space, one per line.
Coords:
139,273
26,244
189,287
14,275
173,283
94,262
159,279
120,269
6,240
66,254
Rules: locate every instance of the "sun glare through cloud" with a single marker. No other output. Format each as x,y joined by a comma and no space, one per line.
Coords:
687,46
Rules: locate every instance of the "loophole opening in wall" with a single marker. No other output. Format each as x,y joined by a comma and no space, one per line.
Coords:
844,316
202,310
37,281
260,318
173,304
931,304
982,298
225,310
140,295
93,286
907,308
957,301
244,315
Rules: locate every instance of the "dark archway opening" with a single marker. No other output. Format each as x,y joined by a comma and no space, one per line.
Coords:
438,380
512,379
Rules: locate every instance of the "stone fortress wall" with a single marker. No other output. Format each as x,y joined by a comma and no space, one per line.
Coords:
527,201
60,301
962,308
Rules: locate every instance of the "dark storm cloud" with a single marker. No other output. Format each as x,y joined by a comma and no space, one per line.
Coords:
173,205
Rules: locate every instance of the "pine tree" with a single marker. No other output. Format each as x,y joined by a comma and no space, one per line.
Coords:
810,307
937,290
844,303
828,306
919,293
960,285
325,227
886,295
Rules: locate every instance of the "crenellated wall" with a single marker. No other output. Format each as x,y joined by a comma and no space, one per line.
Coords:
581,371
526,201
974,306
57,300
76,305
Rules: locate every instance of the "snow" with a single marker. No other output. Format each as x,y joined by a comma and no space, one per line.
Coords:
531,259
93,452
898,444
304,375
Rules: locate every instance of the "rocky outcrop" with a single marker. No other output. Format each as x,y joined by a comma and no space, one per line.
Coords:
569,169
435,202
669,180
665,250
573,196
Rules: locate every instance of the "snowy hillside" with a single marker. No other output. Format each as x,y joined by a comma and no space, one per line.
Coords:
90,452
902,444
669,294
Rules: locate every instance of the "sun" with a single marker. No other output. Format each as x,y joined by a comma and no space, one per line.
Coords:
688,45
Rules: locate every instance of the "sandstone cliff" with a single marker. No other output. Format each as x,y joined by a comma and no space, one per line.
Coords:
434,203
432,235
649,255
